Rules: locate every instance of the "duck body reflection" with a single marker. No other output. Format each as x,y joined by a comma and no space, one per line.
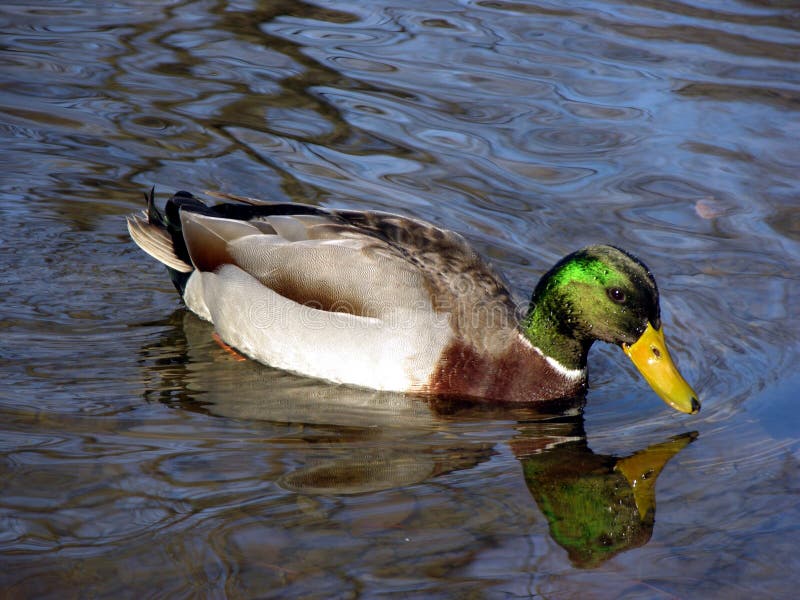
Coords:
350,441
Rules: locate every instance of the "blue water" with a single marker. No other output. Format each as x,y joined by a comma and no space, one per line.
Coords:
139,459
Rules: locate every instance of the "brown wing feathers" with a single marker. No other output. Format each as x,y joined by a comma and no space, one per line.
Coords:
454,277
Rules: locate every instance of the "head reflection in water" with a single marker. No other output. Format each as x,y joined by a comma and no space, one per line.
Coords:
597,505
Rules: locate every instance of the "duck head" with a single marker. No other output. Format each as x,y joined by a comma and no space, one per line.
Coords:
606,294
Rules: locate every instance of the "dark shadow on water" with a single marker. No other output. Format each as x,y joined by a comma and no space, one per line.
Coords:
357,441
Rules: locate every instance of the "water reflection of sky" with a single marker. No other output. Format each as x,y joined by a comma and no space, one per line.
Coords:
135,454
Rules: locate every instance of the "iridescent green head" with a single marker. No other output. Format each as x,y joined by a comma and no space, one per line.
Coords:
603,293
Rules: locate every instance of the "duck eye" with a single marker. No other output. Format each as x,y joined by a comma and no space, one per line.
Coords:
616,295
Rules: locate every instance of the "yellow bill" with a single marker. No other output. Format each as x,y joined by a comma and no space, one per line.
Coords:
650,355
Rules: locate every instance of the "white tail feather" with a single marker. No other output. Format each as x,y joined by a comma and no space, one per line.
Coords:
156,242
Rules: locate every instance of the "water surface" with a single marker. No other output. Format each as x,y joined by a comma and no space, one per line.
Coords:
138,458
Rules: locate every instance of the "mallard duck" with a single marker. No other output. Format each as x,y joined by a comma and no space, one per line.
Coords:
394,303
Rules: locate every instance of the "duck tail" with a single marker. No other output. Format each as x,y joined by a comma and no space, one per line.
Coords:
159,234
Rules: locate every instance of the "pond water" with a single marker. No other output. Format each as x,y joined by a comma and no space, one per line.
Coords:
139,459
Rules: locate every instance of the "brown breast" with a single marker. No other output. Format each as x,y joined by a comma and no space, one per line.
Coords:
519,373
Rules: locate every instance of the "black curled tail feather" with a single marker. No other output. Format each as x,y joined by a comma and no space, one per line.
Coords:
154,216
